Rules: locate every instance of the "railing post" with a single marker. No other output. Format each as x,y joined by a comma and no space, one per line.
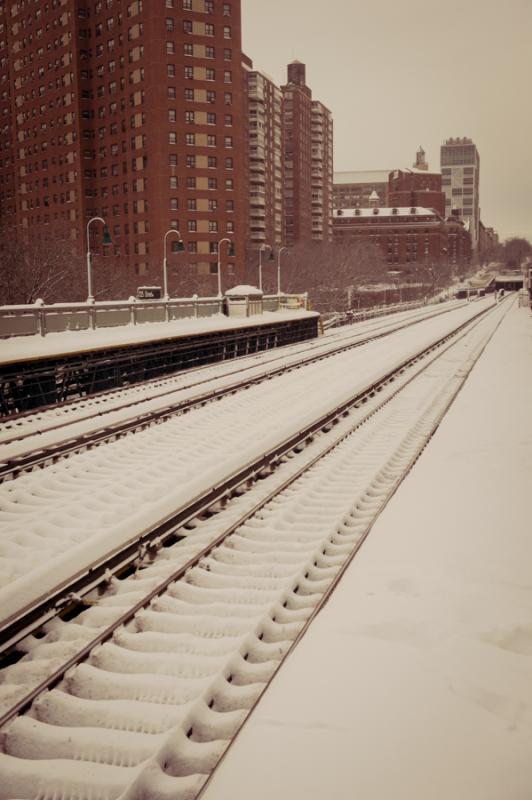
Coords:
41,321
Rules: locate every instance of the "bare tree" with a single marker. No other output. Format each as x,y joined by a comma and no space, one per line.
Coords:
38,266
328,271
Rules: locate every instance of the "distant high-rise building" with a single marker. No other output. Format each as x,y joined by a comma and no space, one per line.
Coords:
460,167
308,161
132,111
265,160
322,172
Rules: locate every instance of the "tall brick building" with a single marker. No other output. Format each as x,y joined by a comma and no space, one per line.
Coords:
415,187
132,111
265,160
308,161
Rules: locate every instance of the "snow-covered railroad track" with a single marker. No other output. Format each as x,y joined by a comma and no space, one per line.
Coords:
155,707
22,616
39,438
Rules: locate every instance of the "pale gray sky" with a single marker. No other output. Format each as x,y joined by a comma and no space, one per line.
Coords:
400,73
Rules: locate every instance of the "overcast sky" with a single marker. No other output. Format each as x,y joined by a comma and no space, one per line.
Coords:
400,73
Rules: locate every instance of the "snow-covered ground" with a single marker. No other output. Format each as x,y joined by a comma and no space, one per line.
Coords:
44,428
151,712
57,520
414,680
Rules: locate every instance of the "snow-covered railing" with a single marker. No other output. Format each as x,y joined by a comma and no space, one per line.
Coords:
346,317
39,318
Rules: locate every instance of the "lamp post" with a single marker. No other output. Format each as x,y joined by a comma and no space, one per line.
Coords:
106,240
180,248
230,252
279,269
271,256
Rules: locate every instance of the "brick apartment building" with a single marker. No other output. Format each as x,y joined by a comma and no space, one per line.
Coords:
411,238
308,161
415,187
132,111
265,161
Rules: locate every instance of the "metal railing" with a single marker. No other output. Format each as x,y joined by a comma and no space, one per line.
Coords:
38,318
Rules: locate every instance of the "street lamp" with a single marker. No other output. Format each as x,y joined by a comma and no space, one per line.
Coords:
180,248
106,240
279,269
271,257
230,252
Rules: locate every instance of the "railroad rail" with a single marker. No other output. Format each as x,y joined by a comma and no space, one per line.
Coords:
42,456
181,668
154,537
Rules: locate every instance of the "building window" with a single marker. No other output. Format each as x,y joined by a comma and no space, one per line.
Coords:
230,205
228,76
191,162
228,141
170,70
211,118
169,23
174,204
169,3
229,183
229,163
226,8
228,98
212,183
172,115
210,74
192,247
170,48
172,137
213,226
209,6
189,73
188,49
209,52
230,227
209,29
191,182
227,32
211,140
187,26
212,162
211,96
228,54
213,205
172,160
173,182
192,226
171,93
190,117
190,138
191,204
228,120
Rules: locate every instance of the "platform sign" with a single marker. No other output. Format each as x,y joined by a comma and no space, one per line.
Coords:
149,293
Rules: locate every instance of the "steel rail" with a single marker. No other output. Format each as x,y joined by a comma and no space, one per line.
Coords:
38,458
327,594
20,627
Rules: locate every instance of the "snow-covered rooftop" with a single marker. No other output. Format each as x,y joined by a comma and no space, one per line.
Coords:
401,211
362,176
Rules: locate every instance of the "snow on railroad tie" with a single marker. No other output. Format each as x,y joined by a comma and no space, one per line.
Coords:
286,559
66,515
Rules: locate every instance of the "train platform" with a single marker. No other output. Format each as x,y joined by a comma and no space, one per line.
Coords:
30,348
414,680
40,371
